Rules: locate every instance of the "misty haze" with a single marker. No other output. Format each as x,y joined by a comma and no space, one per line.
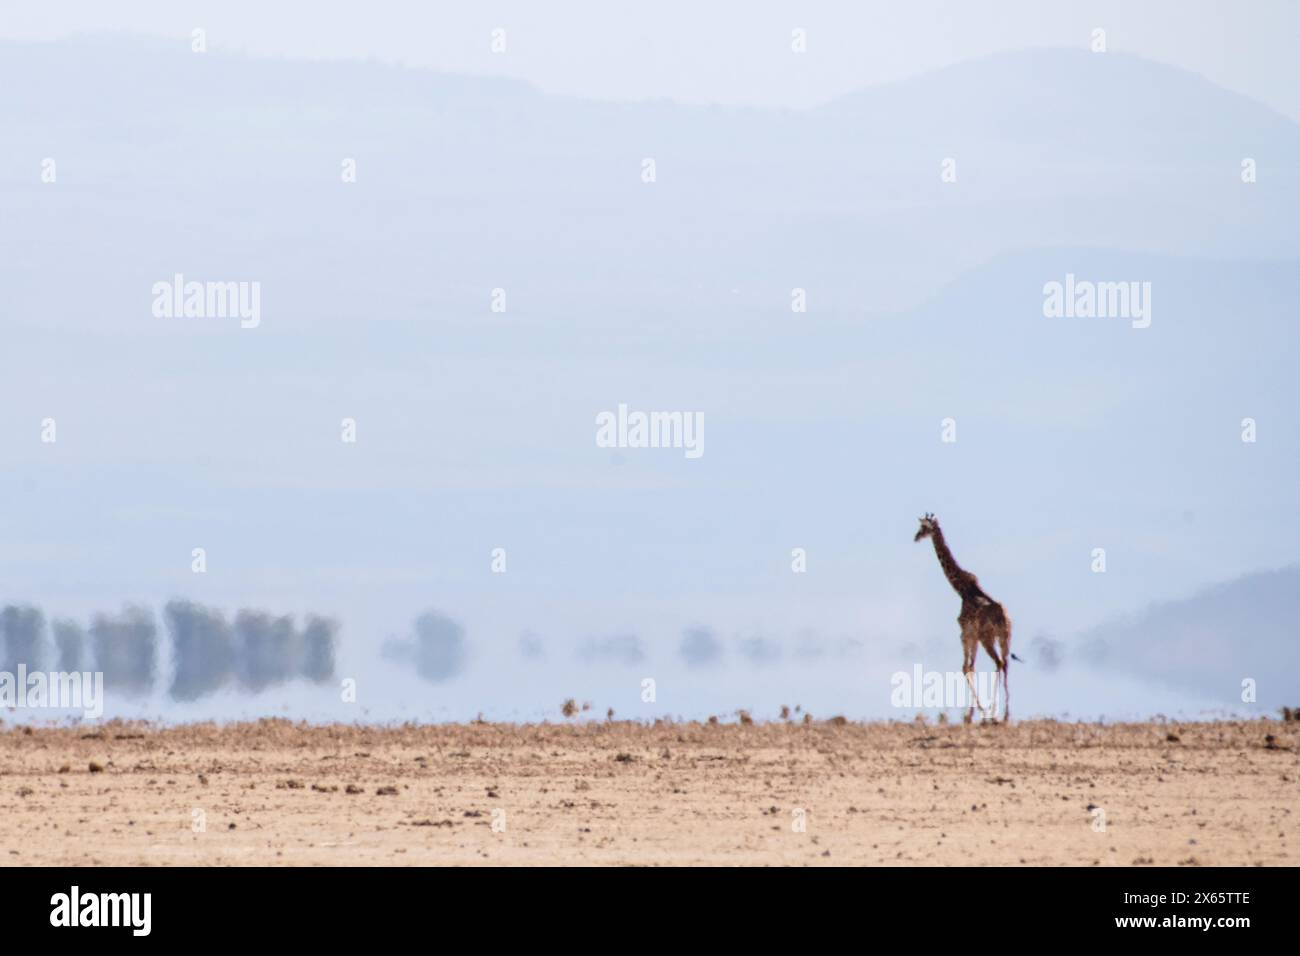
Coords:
459,273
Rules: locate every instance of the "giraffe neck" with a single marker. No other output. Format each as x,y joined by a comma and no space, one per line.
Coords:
951,569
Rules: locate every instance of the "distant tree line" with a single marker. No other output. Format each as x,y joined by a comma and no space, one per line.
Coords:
253,651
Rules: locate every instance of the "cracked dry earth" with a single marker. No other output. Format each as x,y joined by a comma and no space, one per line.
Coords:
837,793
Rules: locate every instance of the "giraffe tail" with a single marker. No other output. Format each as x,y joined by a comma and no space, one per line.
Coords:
1014,658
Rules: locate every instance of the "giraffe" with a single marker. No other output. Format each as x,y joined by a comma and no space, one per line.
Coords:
984,622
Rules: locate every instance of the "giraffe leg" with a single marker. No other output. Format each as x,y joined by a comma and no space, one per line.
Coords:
1003,659
1004,645
1001,677
991,711
1000,666
968,669
1006,688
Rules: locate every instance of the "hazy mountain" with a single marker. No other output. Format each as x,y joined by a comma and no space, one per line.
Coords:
1210,643
222,163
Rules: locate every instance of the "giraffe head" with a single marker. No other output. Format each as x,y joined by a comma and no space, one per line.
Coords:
929,525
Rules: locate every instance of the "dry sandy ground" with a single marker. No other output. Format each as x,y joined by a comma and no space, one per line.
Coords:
274,792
